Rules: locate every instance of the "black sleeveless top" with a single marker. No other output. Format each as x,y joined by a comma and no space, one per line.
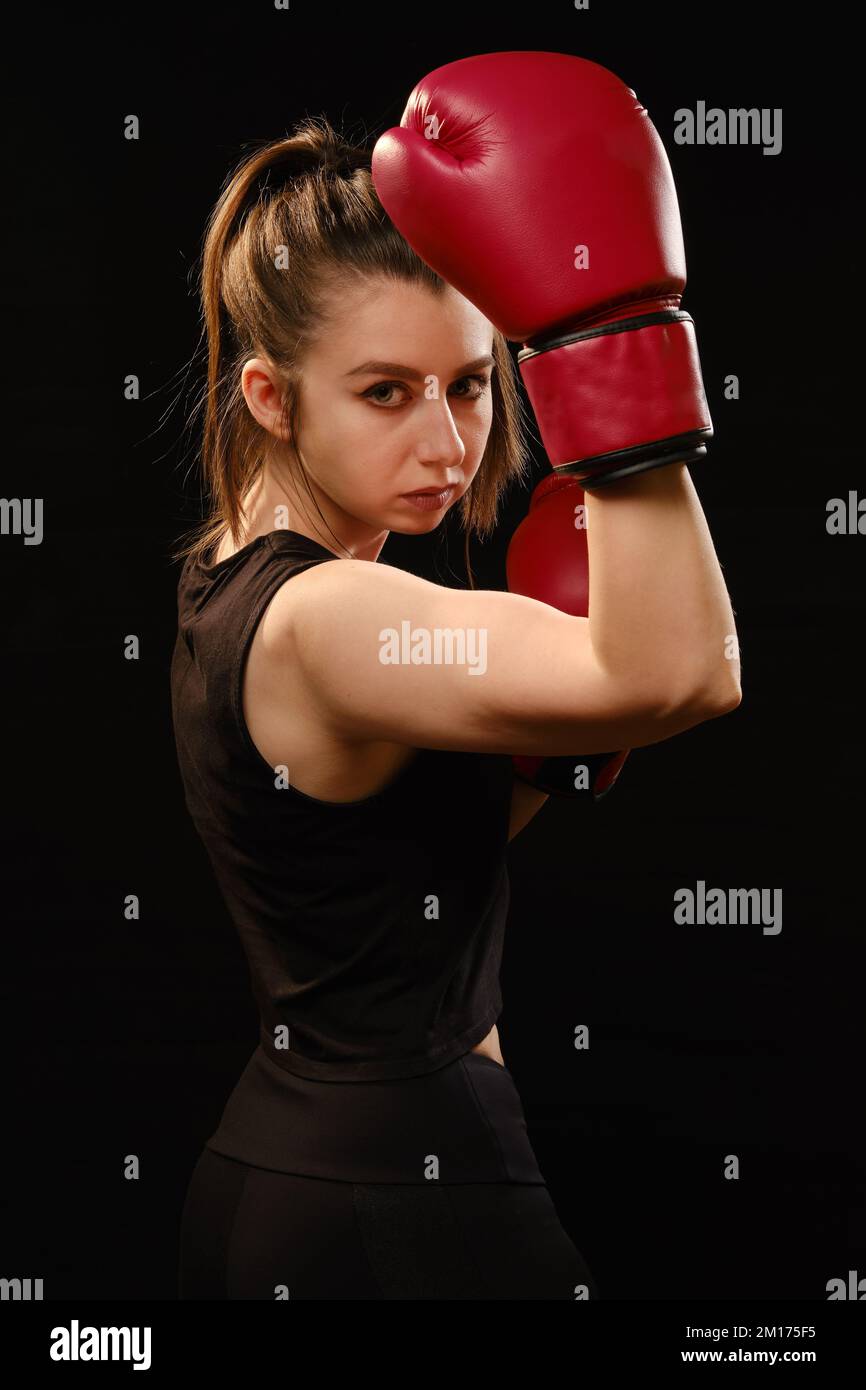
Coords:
372,954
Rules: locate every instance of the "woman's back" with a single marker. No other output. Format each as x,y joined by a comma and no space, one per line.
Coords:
374,925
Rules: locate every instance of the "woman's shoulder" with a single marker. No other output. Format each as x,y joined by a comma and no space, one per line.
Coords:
316,591
326,583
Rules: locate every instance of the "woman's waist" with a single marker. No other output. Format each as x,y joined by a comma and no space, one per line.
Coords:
461,1123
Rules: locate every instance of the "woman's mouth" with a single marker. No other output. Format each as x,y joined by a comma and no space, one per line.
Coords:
429,499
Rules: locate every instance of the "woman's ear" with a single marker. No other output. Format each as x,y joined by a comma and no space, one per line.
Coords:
263,390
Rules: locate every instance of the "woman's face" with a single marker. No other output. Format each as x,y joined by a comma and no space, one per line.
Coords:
396,397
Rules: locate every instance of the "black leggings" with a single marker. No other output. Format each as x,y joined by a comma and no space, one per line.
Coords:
255,1233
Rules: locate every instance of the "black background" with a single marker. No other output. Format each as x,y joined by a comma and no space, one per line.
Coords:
126,1037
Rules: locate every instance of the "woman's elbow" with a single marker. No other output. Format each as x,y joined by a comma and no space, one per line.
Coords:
677,713
710,701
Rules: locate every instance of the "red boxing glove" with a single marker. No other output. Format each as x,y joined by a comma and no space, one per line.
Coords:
548,559
536,184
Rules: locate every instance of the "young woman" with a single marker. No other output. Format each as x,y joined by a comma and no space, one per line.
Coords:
356,809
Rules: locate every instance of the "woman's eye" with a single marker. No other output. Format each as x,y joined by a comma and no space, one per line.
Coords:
480,384
382,386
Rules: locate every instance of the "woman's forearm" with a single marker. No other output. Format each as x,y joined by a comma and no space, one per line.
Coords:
659,609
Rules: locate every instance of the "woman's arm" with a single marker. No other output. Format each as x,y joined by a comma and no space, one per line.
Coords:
657,596
509,674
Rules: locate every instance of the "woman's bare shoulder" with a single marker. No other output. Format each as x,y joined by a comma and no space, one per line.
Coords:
319,588
332,582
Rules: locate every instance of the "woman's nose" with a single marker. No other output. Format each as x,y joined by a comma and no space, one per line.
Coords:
438,438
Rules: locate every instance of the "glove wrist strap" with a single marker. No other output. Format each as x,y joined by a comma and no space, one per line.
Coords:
620,397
